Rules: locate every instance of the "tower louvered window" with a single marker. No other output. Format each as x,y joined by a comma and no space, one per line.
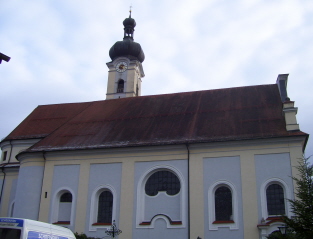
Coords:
120,86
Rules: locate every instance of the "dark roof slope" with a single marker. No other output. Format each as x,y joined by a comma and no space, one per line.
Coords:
251,112
45,119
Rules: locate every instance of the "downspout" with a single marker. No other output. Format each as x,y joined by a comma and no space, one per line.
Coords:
43,174
188,176
4,173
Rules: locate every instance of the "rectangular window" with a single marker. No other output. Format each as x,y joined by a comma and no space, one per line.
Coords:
4,155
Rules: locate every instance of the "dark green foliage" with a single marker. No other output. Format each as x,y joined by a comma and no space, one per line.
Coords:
302,206
278,235
84,236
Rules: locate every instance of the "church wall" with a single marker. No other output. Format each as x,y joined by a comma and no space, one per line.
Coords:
65,179
28,192
273,168
9,190
12,196
222,171
148,207
246,151
239,163
103,176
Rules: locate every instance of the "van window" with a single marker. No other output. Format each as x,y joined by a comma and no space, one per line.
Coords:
9,233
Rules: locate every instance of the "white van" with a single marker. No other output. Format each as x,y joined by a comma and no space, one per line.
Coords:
17,228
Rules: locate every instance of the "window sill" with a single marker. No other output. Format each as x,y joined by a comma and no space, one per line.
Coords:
101,224
171,222
62,223
223,222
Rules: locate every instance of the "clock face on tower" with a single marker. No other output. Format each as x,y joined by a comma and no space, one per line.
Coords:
121,66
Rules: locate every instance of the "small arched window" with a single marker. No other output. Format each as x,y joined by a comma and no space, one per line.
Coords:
105,207
120,86
275,200
66,197
162,181
223,204
65,207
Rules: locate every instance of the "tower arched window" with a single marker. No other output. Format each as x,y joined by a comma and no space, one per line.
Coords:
223,204
120,86
105,207
275,200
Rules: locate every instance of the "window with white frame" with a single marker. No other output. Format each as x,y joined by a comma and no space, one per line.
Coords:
105,207
102,207
65,208
62,207
161,194
274,193
275,200
223,206
165,181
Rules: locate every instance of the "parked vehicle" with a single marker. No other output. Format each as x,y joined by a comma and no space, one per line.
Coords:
18,228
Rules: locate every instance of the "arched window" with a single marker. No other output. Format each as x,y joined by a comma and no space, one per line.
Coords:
162,181
275,200
65,207
105,207
120,86
66,197
161,194
223,204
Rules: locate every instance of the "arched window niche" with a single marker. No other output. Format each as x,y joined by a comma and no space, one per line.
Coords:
63,207
274,194
223,206
161,194
102,207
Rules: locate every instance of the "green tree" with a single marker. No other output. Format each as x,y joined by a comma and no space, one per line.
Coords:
278,235
302,206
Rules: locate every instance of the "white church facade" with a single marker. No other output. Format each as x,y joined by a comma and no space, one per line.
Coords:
204,164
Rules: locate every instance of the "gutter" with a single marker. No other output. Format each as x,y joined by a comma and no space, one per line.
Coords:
188,186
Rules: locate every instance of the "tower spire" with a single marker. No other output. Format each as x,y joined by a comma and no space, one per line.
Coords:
129,26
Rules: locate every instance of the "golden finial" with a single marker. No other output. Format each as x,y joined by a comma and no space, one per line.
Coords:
130,11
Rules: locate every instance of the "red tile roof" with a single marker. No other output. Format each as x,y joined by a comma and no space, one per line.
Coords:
251,112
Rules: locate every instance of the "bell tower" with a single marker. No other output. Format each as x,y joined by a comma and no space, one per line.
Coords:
125,69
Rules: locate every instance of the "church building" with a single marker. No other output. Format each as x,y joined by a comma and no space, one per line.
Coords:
204,164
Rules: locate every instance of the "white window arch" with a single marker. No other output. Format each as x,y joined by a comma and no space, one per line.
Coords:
265,190
141,199
215,223
103,192
63,206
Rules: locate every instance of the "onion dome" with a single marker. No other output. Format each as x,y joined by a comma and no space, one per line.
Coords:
128,47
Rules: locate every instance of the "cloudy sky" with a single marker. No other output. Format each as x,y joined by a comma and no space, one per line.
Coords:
59,49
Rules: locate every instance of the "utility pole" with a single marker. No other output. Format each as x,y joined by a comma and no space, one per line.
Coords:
4,57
